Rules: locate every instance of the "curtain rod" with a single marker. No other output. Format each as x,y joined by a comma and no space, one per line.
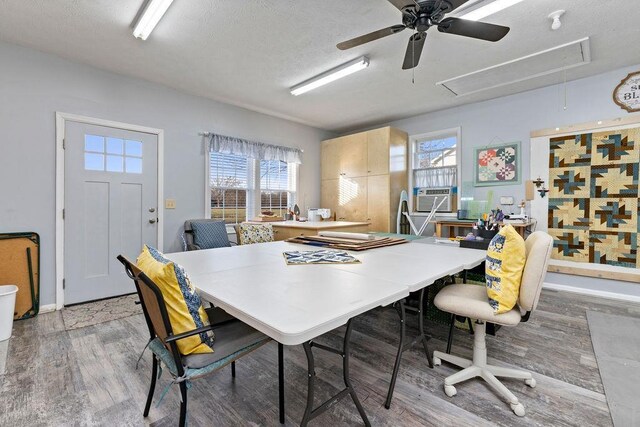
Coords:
209,134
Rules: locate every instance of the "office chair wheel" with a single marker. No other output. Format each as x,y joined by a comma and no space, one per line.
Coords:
436,361
530,382
450,390
518,409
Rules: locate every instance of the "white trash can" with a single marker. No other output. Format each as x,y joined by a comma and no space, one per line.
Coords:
7,308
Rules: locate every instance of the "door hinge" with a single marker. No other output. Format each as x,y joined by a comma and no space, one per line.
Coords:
64,143
64,283
62,213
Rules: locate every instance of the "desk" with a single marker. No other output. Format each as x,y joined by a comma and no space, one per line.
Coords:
452,224
283,230
296,304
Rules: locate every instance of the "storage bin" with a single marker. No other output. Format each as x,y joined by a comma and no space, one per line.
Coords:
7,307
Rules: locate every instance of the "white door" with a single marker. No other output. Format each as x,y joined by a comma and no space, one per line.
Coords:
111,190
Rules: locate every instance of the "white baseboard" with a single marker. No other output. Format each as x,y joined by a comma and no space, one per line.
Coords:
592,292
48,308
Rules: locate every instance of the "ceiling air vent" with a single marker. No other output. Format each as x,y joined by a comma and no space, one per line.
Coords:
528,67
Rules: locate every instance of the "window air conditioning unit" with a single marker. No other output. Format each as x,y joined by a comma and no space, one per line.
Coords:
427,197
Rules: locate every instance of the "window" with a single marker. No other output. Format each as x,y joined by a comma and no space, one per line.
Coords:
435,162
240,188
228,183
112,154
277,186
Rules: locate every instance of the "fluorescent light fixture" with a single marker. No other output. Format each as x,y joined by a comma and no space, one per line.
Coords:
476,14
331,75
152,14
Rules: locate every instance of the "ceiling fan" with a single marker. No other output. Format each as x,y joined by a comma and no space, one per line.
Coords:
422,15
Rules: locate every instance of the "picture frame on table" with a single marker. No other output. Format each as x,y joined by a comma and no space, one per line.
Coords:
497,165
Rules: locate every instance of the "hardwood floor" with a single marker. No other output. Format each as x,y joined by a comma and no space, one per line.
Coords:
87,376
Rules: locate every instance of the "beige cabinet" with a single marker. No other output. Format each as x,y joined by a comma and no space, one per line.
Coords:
378,203
328,159
363,175
378,151
343,157
347,197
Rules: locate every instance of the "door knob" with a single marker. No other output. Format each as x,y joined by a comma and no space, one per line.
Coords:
152,221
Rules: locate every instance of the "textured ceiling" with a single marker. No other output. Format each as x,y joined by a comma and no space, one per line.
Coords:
249,52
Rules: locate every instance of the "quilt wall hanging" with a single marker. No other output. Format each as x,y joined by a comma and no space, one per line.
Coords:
497,165
593,212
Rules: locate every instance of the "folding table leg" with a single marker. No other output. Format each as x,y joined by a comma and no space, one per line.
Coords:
310,412
423,337
396,366
281,382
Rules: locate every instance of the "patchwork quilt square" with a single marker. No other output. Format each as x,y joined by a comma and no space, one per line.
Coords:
569,213
571,245
616,147
614,215
571,150
614,180
611,248
569,183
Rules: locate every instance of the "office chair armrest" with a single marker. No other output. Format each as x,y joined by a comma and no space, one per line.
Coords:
172,338
193,247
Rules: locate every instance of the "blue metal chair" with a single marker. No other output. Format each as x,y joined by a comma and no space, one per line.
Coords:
204,234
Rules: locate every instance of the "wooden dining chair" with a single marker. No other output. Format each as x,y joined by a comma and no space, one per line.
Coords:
233,339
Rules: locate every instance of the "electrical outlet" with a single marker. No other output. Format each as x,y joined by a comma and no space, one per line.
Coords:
170,203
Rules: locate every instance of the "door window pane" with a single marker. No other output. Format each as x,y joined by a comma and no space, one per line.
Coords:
133,148
114,164
94,143
114,146
93,162
133,165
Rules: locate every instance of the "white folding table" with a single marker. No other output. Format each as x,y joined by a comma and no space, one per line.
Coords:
296,304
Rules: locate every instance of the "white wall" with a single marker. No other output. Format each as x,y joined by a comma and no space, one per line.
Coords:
34,85
512,118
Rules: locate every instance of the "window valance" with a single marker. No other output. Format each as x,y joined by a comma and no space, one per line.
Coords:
436,177
253,150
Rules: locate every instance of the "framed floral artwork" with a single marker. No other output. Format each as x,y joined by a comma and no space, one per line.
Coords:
497,165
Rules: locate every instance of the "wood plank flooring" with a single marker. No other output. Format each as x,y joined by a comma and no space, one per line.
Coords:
88,377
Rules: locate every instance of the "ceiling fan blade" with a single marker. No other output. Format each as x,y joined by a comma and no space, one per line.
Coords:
477,30
370,37
414,50
401,4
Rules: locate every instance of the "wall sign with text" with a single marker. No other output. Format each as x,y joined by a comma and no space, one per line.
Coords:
627,93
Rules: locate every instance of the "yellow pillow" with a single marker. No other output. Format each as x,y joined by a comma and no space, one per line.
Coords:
505,262
183,302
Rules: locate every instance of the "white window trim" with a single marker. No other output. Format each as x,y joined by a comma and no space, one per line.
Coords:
251,190
433,135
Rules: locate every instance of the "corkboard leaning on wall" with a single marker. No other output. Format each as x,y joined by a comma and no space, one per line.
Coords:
20,266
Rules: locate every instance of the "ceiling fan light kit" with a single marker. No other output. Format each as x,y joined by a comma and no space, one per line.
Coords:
149,18
331,75
420,16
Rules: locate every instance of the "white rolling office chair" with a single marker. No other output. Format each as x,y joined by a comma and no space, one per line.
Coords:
471,301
